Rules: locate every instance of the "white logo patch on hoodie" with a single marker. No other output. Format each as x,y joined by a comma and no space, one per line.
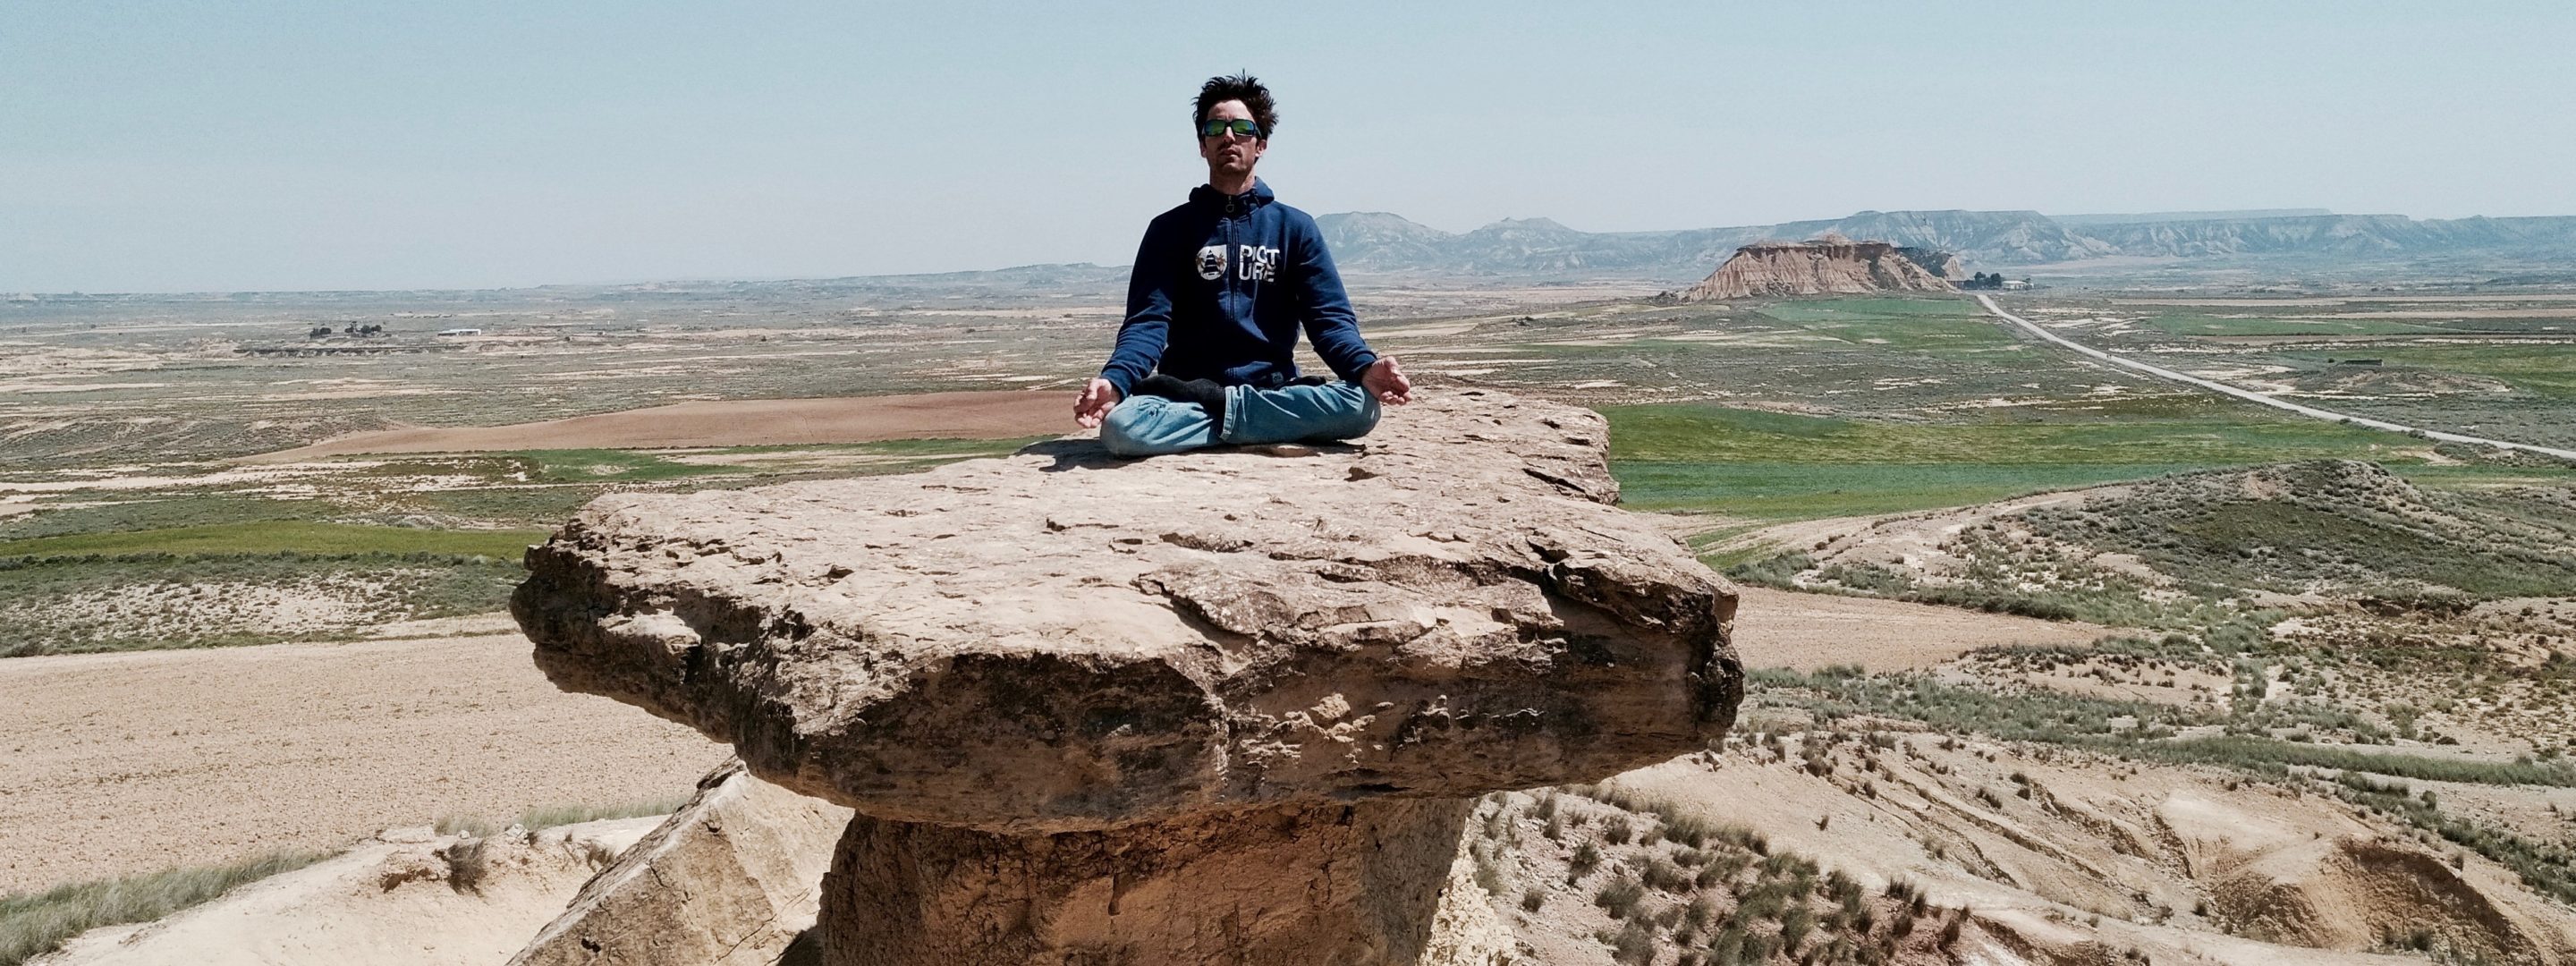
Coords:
1212,262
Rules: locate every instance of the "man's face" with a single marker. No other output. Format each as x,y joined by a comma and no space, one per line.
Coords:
1229,153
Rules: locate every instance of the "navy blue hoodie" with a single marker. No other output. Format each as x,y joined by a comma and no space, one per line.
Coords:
1219,288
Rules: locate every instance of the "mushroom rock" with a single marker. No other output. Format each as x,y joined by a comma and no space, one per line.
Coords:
1227,706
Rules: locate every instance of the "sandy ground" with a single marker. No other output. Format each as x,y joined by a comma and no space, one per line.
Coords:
992,414
389,901
1780,628
118,763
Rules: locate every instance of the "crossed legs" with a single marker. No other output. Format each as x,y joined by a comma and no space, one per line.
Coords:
1153,425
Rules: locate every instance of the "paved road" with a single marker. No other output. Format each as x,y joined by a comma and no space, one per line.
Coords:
2249,395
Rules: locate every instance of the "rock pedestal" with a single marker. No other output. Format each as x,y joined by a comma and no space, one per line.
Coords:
1239,697
1291,886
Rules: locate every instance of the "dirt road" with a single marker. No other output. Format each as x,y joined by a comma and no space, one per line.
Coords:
2251,396
116,763
738,422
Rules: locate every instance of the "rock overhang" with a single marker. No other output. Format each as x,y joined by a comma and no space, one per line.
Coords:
1058,641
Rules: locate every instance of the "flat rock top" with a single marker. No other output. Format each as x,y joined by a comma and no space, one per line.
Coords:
1060,640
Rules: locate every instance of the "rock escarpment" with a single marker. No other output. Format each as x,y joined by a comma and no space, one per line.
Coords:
1832,265
1222,707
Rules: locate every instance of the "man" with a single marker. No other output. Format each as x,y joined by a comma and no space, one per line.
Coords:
1220,288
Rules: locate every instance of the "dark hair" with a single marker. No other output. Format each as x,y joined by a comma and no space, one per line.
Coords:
1240,87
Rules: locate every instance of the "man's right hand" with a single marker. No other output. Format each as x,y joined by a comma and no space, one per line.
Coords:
1096,401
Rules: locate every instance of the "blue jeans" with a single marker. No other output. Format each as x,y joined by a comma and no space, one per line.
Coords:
1153,425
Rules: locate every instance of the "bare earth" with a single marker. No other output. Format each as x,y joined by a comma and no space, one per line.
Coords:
118,763
992,414
1780,628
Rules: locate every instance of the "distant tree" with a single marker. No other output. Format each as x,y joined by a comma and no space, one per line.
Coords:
319,331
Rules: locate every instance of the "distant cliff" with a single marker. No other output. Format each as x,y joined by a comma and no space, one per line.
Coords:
1832,265
1382,242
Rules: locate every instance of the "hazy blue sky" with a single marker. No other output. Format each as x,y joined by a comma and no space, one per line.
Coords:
154,146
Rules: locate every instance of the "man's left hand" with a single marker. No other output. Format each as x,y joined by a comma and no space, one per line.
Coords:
1385,380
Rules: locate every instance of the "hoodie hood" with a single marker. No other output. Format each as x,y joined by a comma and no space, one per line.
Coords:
1233,204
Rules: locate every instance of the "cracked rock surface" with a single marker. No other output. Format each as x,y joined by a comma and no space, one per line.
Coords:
1059,641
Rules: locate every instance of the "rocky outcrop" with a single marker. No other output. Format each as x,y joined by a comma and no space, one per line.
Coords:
728,880
1827,266
1222,707
2363,892
1942,264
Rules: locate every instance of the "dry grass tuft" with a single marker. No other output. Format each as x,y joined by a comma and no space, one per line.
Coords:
38,923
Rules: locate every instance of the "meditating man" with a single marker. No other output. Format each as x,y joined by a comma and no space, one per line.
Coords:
1220,288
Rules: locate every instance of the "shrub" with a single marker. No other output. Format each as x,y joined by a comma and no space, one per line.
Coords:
1660,873
1903,889
1620,897
1795,924
1635,945
1586,858
1489,873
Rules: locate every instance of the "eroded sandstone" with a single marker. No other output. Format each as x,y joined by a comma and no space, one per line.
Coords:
1832,265
1059,641
1222,707
1322,883
730,879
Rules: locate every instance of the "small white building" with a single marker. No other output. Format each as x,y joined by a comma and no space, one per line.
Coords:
2016,284
460,332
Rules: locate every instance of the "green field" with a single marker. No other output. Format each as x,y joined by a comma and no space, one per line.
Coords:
1926,326
2548,371
2233,325
279,536
1784,466
1805,491
381,539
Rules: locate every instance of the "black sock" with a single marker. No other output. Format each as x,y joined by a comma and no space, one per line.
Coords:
1210,397
1206,392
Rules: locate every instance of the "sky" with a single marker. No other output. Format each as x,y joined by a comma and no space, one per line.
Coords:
249,145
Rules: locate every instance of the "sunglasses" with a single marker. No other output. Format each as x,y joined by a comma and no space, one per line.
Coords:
1244,127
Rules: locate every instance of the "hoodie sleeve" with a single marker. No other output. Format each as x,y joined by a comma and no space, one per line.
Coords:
1330,324
1149,314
